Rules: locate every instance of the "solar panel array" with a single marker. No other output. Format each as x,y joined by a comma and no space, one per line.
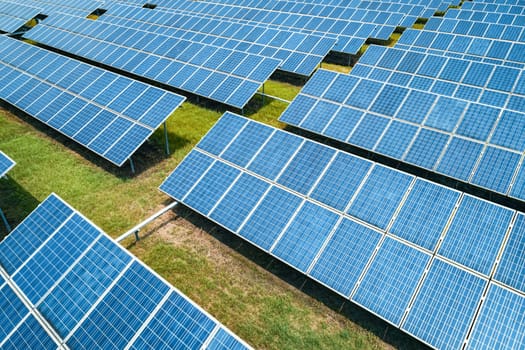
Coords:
350,26
449,98
299,53
224,75
64,283
109,114
444,266
6,164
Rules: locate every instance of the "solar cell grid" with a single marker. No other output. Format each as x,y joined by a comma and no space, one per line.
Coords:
86,291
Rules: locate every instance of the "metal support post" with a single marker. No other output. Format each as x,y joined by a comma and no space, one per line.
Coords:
4,219
132,165
167,142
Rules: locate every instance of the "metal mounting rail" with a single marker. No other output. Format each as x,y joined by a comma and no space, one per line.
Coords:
135,230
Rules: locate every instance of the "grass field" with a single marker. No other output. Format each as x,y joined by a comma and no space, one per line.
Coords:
264,302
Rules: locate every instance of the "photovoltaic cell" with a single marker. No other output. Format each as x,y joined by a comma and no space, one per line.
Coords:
380,196
476,234
444,306
270,217
500,323
391,280
511,268
345,256
304,237
425,214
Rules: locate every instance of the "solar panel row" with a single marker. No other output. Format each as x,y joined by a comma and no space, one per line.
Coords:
65,282
471,46
470,141
350,34
417,254
220,74
6,164
299,53
506,18
491,6
109,114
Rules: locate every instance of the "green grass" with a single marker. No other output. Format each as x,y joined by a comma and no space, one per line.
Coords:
255,303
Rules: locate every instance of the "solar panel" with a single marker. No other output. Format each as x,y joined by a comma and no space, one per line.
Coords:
300,53
408,250
180,63
500,323
109,114
70,283
6,164
448,132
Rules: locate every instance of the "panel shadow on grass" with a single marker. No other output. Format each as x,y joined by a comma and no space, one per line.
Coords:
148,155
15,202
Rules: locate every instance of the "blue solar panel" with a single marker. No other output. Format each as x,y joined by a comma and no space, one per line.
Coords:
500,323
270,217
391,280
301,53
340,181
305,235
211,187
86,291
110,132
29,335
444,306
511,268
306,166
449,93
6,164
238,202
12,310
425,214
380,196
345,256
496,169
476,234
47,264
459,159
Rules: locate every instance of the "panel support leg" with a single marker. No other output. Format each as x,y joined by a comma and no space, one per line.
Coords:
132,165
166,141
4,219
